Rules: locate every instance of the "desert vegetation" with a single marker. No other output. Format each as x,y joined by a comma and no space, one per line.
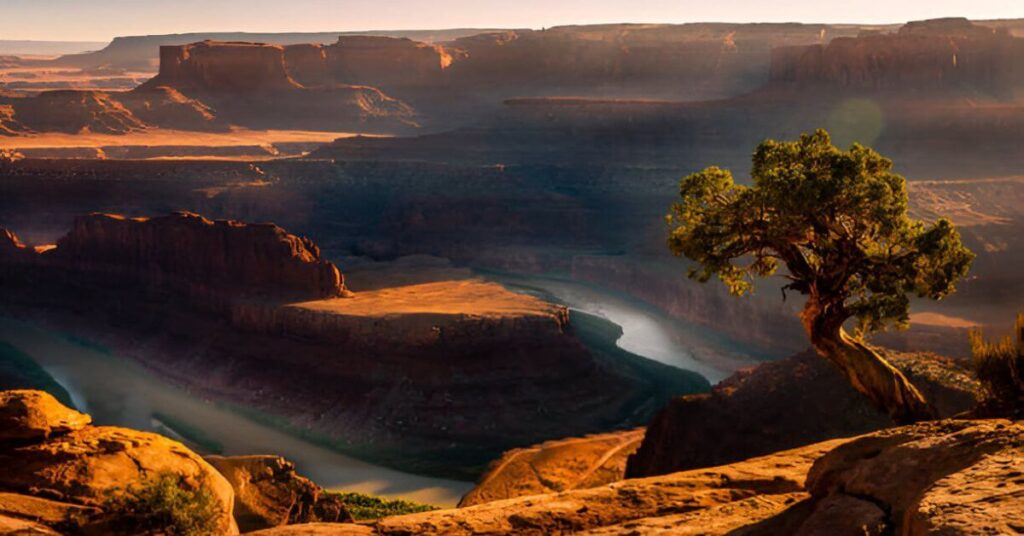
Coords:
1000,369
364,506
164,505
838,222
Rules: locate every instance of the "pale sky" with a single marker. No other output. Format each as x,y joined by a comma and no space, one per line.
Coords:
100,20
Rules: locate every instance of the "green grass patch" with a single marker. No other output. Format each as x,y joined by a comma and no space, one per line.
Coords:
364,506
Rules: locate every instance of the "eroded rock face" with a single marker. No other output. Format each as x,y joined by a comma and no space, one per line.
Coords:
268,493
32,415
753,489
74,466
249,84
554,466
221,65
947,477
781,405
386,61
189,253
933,55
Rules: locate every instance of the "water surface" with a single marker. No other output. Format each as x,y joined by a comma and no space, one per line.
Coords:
120,392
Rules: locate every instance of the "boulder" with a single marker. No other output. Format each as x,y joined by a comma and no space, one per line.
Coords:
269,493
10,526
65,465
554,466
784,404
36,415
946,477
49,512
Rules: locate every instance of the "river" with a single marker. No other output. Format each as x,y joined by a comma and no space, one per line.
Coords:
646,331
118,391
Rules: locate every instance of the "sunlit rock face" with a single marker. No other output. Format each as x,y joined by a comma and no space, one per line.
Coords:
934,55
386,61
214,65
61,471
184,251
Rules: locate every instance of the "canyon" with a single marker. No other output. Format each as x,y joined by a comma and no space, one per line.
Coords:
488,296
474,357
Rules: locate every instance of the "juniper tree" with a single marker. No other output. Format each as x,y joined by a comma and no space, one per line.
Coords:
837,221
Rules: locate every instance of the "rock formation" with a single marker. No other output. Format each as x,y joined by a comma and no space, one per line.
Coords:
59,471
99,112
950,477
35,416
947,477
76,111
386,62
224,66
554,466
930,56
224,305
268,493
781,405
188,253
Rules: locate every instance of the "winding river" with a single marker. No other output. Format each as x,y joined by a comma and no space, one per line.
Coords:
118,391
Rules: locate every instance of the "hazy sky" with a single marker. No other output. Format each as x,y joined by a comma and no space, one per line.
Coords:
99,20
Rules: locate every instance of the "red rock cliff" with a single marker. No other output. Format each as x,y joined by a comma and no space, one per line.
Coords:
930,55
386,61
185,251
216,65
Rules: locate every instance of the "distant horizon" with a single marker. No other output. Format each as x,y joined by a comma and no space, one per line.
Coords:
102,20
3,39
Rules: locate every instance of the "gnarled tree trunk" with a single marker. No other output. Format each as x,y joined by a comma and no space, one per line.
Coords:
867,371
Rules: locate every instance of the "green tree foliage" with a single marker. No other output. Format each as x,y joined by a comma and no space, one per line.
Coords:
837,220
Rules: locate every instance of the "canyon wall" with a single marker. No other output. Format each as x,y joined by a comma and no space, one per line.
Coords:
227,66
931,56
184,250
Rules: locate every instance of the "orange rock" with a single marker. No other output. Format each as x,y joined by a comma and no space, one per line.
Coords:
553,466
32,415
269,493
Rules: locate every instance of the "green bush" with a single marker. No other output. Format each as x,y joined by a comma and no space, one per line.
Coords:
363,506
165,505
1000,369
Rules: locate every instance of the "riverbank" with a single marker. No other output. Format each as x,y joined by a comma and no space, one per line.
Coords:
118,391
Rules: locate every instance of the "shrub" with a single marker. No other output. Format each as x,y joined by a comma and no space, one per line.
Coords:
164,505
1000,369
363,506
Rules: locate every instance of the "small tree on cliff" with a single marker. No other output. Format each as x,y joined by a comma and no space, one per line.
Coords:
838,221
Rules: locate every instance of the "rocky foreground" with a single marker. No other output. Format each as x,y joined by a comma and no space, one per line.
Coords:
944,477
63,475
